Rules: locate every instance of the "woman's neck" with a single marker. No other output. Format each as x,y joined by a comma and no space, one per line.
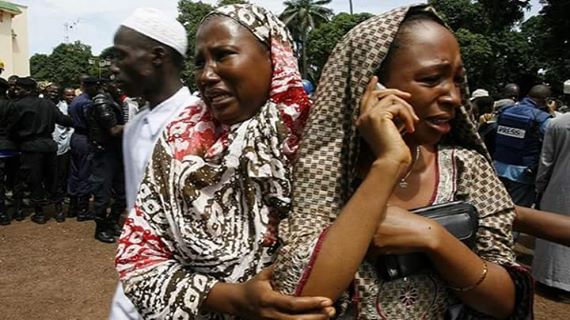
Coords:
417,187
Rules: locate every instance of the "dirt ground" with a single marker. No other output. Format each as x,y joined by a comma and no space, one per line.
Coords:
57,271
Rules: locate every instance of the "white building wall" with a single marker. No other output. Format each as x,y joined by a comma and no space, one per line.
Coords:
6,43
20,43
14,46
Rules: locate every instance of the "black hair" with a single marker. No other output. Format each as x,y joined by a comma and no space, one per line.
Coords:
415,16
484,104
540,92
510,91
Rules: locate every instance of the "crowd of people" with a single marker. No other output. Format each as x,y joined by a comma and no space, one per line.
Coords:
251,200
528,140
63,145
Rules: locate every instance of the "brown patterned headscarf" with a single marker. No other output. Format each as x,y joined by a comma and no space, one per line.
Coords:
329,150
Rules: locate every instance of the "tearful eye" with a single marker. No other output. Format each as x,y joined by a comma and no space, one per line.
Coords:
224,54
431,80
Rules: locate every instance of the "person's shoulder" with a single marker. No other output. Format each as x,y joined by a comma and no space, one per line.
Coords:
80,100
23,102
469,155
561,121
541,115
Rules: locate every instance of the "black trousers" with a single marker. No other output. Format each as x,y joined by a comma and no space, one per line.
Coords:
107,181
9,168
37,169
2,184
62,176
80,166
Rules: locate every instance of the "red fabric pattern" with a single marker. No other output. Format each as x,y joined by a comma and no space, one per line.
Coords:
139,248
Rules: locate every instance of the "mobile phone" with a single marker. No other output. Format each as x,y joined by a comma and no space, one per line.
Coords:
397,121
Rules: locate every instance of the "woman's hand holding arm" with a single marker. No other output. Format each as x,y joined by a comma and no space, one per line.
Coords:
256,299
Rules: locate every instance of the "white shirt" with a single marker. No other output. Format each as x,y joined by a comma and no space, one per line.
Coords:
62,135
139,138
142,132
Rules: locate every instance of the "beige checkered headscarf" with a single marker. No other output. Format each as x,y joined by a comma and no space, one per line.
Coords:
325,171
329,150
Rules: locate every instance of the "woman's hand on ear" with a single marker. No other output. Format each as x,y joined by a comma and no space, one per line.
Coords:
383,114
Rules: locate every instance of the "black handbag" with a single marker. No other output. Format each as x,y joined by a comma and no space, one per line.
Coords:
458,217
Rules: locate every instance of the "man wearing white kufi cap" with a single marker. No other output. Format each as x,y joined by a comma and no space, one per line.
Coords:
150,48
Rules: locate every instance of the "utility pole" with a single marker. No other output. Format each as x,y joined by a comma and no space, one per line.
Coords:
67,28
350,2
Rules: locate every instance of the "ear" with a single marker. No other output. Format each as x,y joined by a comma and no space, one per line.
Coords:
159,54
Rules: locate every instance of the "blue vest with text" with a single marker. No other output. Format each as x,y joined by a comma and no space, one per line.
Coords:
518,139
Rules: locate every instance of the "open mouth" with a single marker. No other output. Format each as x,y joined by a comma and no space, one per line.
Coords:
438,121
440,124
217,97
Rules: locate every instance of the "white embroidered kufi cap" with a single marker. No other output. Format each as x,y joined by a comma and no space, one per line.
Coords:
157,25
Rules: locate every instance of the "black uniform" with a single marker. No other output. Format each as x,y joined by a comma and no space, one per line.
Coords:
79,188
8,159
33,120
107,174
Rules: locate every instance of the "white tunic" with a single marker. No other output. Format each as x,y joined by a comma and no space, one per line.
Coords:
551,261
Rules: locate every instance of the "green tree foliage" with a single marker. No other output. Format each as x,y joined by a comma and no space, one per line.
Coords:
324,38
494,49
502,15
66,63
553,32
190,14
303,16
40,67
477,53
463,14
106,53
228,2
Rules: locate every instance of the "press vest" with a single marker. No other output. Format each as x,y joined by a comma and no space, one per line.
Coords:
518,139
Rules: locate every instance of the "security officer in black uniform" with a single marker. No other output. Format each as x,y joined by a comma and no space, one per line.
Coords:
32,121
105,126
78,187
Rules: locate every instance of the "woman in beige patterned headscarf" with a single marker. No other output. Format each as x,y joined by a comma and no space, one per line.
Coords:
439,159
